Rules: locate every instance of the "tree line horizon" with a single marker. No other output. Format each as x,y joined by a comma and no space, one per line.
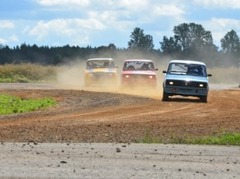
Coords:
190,41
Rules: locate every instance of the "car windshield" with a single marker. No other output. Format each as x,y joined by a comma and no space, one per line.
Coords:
92,64
138,65
187,69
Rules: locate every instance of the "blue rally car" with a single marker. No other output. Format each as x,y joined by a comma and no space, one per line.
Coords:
186,78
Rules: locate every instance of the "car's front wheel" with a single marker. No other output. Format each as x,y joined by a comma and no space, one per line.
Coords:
203,99
165,96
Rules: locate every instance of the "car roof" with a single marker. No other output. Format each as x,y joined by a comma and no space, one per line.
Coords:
138,60
188,62
91,59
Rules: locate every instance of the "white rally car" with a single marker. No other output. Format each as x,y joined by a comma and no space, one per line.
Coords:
186,78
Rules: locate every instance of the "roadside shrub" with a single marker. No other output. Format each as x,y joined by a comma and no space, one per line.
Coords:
26,73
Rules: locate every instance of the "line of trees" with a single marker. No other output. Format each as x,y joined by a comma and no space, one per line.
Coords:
190,41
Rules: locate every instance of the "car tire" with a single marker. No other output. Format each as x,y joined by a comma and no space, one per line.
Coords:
203,99
165,96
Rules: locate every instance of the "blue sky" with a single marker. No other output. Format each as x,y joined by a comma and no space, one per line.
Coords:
101,22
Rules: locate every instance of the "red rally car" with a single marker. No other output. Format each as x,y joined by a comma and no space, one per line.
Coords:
139,73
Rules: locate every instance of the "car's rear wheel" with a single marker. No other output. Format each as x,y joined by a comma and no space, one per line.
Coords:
203,99
165,96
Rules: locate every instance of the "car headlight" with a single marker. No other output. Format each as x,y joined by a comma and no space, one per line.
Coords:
127,76
150,76
171,83
201,85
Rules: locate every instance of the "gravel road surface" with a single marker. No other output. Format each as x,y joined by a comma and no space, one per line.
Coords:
75,160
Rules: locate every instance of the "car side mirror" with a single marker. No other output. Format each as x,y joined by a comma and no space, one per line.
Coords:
209,75
156,69
164,71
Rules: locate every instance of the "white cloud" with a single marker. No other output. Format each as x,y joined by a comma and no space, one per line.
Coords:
64,3
152,9
225,23
133,4
72,31
168,10
111,19
4,24
125,14
3,41
220,26
120,16
12,38
232,4
66,27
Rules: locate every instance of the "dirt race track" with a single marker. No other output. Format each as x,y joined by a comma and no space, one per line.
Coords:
88,116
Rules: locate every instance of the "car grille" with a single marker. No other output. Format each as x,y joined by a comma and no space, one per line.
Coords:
102,74
186,83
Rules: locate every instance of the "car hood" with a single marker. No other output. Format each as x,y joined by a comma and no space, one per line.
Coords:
138,72
186,78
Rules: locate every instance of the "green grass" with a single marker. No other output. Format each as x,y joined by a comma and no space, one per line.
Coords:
148,138
12,104
229,138
222,139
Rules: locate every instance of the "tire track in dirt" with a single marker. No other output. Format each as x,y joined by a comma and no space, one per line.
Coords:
85,116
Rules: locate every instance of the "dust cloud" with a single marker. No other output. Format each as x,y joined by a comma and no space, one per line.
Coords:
71,76
224,78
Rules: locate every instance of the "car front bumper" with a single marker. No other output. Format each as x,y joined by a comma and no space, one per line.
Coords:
185,91
144,82
99,78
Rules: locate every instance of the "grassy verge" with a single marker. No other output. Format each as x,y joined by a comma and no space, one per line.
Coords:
11,104
221,139
25,73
